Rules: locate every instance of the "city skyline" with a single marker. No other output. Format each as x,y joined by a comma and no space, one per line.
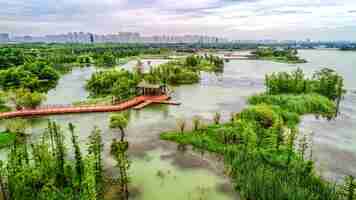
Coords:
233,19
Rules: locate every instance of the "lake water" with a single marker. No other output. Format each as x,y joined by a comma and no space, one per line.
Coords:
185,172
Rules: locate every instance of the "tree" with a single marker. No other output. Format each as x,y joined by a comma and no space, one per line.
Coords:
17,126
217,117
119,151
107,59
3,106
119,121
303,145
196,123
79,166
181,125
37,76
349,188
191,61
328,83
59,152
88,184
24,98
95,148
120,83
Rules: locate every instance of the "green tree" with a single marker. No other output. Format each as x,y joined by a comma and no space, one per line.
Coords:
3,106
196,123
17,126
217,118
88,186
95,148
119,121
119,151
349,188
24,98
79,166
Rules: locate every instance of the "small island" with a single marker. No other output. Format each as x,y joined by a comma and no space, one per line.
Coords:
278,55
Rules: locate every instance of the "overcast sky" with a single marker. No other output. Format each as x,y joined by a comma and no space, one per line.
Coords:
235,19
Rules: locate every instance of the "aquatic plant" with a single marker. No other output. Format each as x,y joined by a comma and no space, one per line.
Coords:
259,144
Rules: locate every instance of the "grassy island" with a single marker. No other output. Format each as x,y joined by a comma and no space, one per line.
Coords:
278,55
263,152
121,84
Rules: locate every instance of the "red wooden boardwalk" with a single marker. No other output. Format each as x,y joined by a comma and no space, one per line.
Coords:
83,109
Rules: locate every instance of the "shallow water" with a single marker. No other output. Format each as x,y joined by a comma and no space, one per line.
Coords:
334,142
158,171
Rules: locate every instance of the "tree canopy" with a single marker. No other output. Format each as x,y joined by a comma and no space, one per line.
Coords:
38,76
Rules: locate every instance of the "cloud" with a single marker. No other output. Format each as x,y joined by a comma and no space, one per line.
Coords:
239,19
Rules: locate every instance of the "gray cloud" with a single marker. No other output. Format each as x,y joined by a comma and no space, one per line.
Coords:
233,18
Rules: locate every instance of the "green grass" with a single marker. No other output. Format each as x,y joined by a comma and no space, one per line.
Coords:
301,104
6,139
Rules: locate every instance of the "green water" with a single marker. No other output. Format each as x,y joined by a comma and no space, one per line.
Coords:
334,142
156,178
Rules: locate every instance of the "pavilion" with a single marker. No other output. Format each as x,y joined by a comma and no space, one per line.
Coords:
147,89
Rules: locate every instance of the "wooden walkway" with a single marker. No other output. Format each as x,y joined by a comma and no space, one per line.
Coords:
84,109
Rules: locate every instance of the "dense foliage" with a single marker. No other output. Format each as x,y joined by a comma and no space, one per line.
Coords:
42,171
325,82
279,55
24,98
264,154
10,57
6,139
119,151
120,83
62,56
37,76
185,71
300,104
3,106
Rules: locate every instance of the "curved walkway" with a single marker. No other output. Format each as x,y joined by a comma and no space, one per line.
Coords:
83,109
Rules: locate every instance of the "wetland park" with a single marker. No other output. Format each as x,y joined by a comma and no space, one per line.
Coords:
277,124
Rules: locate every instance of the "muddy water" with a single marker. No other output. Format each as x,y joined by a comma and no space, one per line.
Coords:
334,142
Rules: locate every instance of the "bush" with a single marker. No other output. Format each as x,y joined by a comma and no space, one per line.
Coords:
300,104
